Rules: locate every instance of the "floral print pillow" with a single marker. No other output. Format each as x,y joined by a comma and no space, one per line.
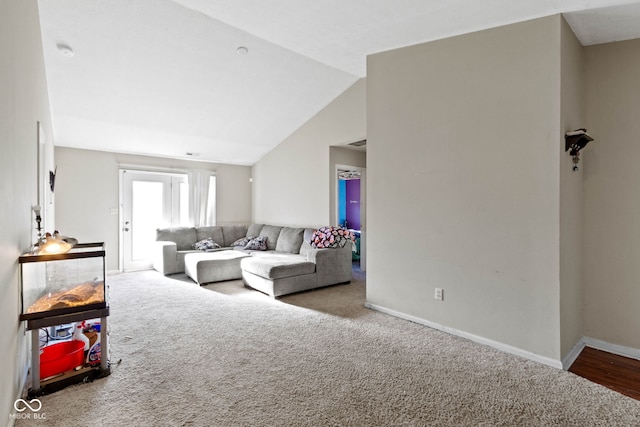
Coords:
257,244
242,241
331,237
206,245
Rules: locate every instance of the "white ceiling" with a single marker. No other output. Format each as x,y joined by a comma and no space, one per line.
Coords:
163,78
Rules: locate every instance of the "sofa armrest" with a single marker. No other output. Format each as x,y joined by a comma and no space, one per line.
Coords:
333,265
164,257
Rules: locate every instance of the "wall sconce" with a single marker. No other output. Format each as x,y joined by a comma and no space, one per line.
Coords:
575,141
37,210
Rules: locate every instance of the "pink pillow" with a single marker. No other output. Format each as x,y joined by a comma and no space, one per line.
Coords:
331,237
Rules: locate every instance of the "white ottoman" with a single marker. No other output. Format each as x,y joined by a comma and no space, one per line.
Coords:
207,267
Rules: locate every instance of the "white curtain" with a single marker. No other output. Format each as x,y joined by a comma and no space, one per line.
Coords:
198,197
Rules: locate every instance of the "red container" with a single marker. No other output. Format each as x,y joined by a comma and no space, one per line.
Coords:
58,358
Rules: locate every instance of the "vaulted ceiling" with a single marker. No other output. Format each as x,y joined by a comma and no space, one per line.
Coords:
170,77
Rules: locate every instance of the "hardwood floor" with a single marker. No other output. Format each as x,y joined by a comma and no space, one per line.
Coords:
618,373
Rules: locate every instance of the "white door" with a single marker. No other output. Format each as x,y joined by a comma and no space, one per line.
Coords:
149,201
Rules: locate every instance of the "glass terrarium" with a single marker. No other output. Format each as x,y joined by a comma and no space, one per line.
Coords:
62,284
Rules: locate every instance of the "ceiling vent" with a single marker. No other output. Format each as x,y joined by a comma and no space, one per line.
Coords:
358,143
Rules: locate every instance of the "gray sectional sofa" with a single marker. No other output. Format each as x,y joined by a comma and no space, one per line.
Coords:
289,264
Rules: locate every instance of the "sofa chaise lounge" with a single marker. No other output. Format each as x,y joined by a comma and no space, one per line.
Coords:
288,264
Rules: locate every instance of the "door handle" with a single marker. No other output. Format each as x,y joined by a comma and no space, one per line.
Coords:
126,229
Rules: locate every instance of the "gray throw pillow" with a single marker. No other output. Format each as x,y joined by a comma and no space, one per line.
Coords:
242,241
257,244
206,245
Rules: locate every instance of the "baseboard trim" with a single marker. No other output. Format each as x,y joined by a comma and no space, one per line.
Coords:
573,354
472,337
22,392
620,350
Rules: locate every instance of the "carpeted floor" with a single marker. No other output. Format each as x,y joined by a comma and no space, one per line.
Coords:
223,355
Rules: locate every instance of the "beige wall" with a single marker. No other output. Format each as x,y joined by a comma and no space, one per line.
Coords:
23,102
612,198
87,190
347,156
463,168
571,205
291,184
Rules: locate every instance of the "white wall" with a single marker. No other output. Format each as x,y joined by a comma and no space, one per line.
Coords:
611,195
291,184
571,194
87,190
23,102
463,166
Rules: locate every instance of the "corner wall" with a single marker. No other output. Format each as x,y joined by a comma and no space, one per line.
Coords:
571,193
463,184
611,196
23,102
291,184
87,189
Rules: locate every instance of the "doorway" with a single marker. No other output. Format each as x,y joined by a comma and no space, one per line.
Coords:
149,200
349,199
350,205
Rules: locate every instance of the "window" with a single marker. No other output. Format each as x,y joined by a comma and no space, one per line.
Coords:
211,201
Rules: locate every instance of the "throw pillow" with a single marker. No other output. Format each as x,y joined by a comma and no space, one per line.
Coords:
257,244
331,237
242,241
206,245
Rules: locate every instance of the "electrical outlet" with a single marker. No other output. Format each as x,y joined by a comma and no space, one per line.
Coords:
439,295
